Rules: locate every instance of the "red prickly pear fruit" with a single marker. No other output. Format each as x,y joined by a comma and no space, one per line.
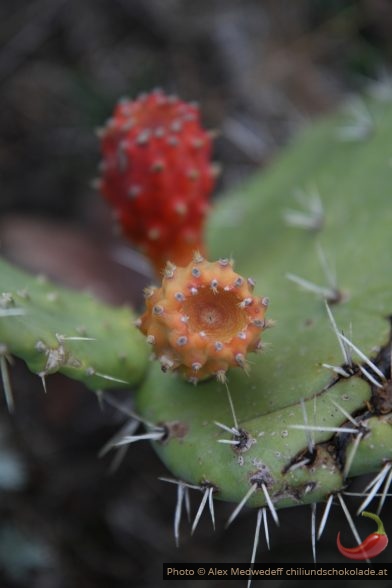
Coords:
157,174
203,319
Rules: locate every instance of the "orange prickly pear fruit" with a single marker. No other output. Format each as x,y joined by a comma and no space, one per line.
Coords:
203,319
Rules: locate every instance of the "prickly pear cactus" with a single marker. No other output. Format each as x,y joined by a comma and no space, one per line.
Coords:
315,408
54,329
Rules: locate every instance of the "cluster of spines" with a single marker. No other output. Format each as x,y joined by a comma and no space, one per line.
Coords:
48,326
203,319
156,172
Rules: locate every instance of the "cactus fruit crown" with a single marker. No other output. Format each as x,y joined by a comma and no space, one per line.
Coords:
156,173
203,319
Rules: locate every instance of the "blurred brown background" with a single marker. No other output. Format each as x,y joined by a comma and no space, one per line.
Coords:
260,70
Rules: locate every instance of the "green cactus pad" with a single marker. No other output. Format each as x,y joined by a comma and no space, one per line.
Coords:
72,333
353,233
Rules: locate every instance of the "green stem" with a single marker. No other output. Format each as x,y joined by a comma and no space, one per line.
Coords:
380,526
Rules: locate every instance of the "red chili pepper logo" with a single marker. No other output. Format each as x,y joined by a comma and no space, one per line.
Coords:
372,546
